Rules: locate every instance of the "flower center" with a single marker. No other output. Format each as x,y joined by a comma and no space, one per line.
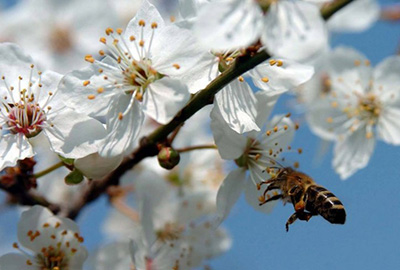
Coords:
369,107
170,232
52,259
27,119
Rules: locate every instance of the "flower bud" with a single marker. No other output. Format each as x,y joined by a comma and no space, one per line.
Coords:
168,158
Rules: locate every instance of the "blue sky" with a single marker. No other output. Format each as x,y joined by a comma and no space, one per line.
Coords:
370,239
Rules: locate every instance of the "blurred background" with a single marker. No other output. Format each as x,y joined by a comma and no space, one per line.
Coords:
370,239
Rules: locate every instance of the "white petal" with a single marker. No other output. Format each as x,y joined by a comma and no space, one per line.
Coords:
76,96
237,105
387,82
164,98
76,261
388,127
229,24
328,121
14,148
348,69
265,103
358,15
49,81
231,145
14,63
146,218
283,78
33,220
149,14
74,135
352,153
294,30
15,261
95,166
121,133
229,192
175,46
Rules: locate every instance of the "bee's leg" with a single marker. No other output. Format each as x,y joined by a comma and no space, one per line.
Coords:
269,188
273,198
305,215
290,220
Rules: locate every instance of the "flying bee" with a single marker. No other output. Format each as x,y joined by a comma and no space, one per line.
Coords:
308,198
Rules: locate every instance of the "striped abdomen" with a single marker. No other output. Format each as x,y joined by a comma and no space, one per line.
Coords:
321,201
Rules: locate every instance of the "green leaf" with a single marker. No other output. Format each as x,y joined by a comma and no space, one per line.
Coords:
74,177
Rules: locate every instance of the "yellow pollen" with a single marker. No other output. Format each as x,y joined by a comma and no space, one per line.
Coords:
102,53
100,70
109,31
91,97
258,186
275,129
142,23
285,127
177,66
280,63
241,79
272,62
154,25
141,43
229,59
369,135
86,83
120,116
115,41
172,18
265,79
357,63
89,58
100,90
268,132
103,40
132,38
261,199
119,31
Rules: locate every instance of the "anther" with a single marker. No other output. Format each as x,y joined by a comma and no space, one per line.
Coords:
300,150
100,90
132,38
119,31
91,97
272,62
265,79
275,129
109,31
102,53
279,63
141,43
103,40
154,25
177,66
86,83
120,116
241,79
142,23
89,58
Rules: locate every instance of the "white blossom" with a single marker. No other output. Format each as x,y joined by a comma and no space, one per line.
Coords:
139,77
359,105
253,153
53,243
30,105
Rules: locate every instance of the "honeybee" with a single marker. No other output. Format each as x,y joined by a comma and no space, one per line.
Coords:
308,198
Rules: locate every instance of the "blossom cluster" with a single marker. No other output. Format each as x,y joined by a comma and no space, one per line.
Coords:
80,90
